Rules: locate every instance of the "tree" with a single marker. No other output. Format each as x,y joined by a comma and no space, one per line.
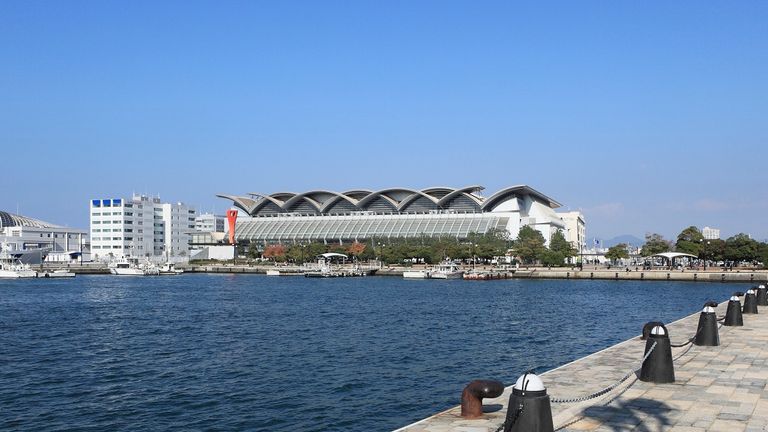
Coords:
559,244
616,252
741,248
712,250
275,252
690,240
655,244
529,244
356,249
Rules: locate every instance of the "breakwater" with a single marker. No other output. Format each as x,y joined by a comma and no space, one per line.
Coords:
753,276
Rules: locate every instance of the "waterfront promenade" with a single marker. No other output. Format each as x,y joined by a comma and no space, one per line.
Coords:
717,388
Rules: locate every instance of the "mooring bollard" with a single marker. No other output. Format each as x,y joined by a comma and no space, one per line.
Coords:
658,367
733,313
529,409
707,333
762,295
750,302
648,327
473,394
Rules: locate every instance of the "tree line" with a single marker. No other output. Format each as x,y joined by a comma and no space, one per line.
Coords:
529,247
735,249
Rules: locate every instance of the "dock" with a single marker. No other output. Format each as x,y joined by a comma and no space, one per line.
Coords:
721,388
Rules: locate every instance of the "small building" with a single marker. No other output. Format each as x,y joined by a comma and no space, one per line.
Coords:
209,222
575,229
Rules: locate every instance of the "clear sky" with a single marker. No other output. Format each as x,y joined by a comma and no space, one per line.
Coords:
649,116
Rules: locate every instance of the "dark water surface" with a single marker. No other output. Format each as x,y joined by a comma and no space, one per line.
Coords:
246,352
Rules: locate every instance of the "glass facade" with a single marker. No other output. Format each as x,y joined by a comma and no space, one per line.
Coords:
359,227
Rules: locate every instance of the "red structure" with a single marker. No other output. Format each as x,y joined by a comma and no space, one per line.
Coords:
232,218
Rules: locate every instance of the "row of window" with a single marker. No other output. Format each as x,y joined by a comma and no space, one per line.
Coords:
71,236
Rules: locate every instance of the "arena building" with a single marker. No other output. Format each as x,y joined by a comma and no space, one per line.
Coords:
33,241
359,215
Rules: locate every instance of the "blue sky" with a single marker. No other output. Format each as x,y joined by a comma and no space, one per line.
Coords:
648,116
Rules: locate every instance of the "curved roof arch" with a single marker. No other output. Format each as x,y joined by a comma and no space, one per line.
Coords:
339,196
10,220
468,191
363,203
244,203
519,190
413,197
357,194
301,197
265,199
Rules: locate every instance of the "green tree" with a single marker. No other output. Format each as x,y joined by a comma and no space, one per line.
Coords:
529,244
559,244
616,252
655,244
741,248
690,240
712,250
552,258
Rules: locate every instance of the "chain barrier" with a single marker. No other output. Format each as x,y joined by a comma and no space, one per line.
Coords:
607,389
690,341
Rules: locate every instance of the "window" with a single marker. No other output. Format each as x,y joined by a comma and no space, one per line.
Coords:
96,222
96,230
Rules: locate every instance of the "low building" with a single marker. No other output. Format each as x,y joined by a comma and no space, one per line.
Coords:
357,215
34,241
140,227
209,222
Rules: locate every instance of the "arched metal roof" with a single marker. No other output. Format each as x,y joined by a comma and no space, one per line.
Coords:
398,199
519,190
11,220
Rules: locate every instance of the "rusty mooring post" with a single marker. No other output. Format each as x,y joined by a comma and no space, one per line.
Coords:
473,394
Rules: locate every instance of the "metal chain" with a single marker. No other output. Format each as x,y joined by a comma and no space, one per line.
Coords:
690,341
607,389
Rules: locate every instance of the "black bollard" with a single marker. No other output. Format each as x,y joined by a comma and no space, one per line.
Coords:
733,313
707,333
529,409
762,295
750,302
658,367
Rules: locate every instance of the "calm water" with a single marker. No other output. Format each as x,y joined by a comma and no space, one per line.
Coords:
223,352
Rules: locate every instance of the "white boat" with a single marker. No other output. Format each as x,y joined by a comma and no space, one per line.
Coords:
446,270
168,269
273,272
416,274
126,267
60,273
10,269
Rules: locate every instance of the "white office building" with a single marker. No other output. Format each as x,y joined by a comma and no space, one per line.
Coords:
711,233
575,229
142,227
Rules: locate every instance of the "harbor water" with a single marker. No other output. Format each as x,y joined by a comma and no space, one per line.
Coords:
250,352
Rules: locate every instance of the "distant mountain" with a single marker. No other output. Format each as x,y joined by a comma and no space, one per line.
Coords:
626,238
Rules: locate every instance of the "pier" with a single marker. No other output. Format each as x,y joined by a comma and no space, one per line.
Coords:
720,388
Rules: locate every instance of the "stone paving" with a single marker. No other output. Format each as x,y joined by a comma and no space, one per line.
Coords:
719,389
